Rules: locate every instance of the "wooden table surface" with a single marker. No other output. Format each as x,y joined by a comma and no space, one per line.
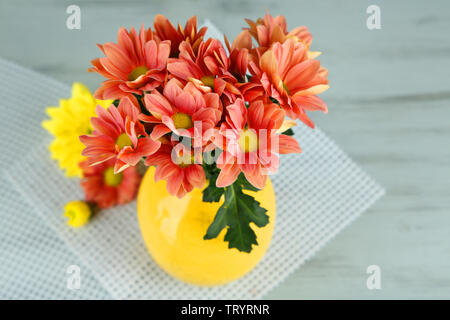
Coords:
389,109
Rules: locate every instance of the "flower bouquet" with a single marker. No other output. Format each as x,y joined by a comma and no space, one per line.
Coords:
210,118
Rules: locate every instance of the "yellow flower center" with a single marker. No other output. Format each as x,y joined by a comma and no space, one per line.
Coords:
137,72
123,140
248,141
111,179
208,81
185,160
182,120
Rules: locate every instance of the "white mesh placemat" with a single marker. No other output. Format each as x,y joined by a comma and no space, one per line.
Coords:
318,193
33,259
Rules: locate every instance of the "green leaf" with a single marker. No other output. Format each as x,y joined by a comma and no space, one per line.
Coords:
289,132
236,213
220,222
212,193
274,100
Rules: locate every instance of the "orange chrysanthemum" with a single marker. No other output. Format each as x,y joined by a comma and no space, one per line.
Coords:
164,30
269,30
180,109
136,63
171,79
118,135
176,165
208,69
287,75
250,140
107,189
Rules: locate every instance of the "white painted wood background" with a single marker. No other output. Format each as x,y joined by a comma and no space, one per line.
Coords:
389,108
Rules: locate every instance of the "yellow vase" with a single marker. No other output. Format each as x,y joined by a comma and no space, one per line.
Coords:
173,231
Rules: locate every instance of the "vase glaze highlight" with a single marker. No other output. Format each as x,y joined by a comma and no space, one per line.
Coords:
173,231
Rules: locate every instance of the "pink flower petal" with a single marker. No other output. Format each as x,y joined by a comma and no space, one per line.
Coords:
228,175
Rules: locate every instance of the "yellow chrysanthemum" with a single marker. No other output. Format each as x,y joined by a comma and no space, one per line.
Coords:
67,122
78,213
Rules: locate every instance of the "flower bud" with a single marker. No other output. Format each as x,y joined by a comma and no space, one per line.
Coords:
78,213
